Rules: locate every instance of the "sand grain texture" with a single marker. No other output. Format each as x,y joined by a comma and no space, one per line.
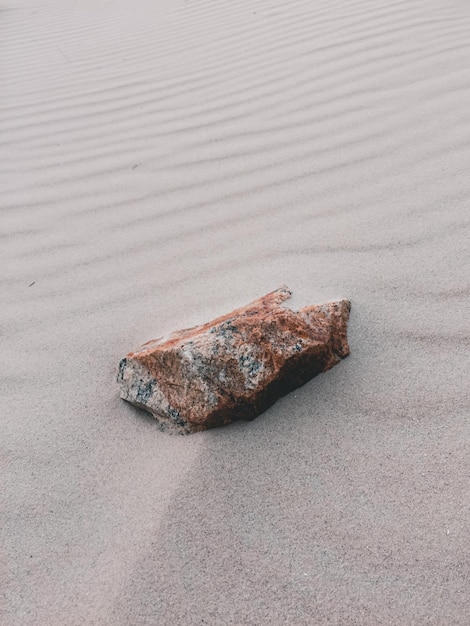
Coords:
162,162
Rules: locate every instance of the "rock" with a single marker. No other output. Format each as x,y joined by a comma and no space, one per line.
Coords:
236,366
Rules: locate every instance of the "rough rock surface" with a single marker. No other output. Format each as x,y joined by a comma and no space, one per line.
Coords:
236,366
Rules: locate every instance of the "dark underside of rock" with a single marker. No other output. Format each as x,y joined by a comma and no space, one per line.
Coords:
236,366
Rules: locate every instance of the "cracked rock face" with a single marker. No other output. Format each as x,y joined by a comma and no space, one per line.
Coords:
236,366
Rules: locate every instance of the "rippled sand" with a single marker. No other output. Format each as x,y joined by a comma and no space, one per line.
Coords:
163,162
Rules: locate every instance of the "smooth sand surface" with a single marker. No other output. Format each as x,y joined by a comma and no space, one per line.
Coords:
166,161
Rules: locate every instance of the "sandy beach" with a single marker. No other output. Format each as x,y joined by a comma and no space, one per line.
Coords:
163,163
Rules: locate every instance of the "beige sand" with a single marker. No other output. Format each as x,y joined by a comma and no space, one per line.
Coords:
163,162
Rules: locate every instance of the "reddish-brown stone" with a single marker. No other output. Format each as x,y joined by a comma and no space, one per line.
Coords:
236,366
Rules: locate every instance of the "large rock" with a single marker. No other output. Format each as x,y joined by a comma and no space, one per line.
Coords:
236,366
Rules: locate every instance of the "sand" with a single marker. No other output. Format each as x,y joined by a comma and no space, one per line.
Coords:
162,163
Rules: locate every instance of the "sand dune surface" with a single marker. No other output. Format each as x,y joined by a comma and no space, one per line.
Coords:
162,163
